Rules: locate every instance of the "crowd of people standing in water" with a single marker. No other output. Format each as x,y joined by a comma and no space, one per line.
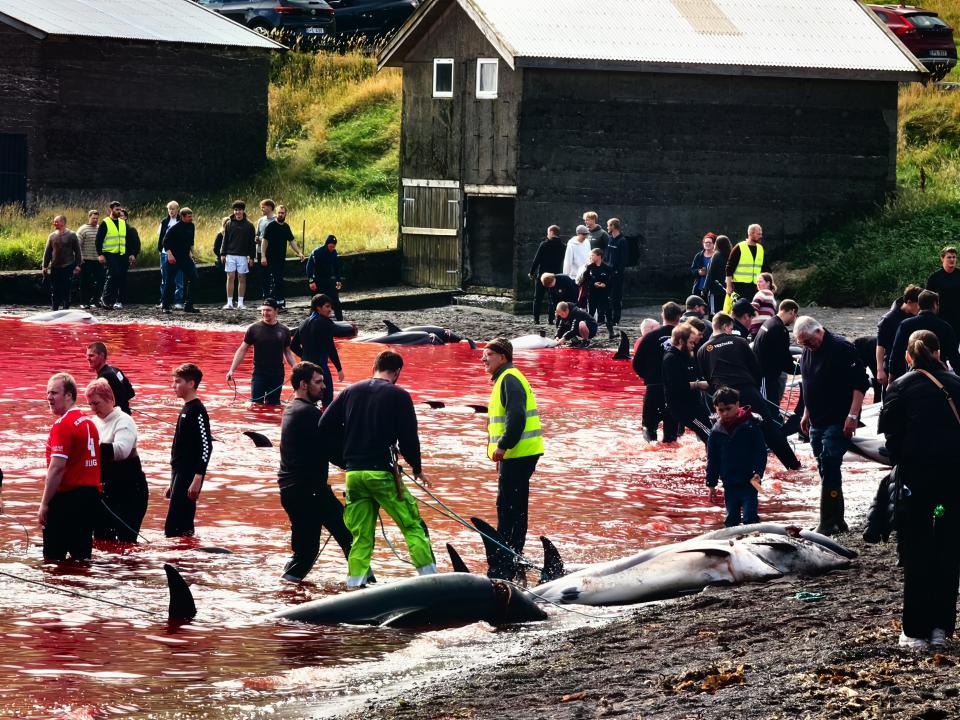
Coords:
716,365
103,250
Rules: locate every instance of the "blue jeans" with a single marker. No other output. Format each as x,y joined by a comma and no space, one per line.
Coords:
829,446
740,498
266,389
164,274
185,271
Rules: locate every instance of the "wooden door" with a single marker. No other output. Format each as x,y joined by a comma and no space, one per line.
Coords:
430,234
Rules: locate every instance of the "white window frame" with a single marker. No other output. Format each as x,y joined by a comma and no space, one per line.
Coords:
442,93
488,94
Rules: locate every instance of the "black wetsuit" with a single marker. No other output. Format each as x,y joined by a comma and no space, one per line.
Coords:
123,391
313,341
125,497
189,456
548,259
648,364
685,404
304,492
567,328
598,299
772,348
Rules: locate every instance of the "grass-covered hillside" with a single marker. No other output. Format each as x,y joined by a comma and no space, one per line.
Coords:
868,260
334,134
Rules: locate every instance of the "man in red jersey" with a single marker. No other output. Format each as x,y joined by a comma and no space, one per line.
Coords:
71,491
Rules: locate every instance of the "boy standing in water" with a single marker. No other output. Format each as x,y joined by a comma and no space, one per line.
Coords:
192,446
736,454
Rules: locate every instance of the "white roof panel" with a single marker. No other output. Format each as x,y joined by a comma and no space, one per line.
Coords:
178,21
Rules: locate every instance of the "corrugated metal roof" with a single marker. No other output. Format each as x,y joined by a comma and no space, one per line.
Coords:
840,36
177,21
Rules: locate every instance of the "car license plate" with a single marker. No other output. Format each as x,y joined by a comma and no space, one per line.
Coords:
938,53
316,31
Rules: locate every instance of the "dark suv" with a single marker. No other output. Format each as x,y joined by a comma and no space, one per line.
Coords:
372,17
924,33
284,17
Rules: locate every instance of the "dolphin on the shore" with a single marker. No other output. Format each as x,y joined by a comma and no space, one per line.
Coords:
872,449
442,599
533,342
402,338
61,316
444,334
342,328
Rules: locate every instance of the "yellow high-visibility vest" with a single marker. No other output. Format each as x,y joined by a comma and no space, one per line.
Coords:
531,440
748,269
116,239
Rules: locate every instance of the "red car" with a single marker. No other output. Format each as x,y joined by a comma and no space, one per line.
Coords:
924,33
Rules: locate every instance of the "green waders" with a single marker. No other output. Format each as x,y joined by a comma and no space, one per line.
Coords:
367,492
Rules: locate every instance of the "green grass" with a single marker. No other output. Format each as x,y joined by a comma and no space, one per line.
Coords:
333,143
871,259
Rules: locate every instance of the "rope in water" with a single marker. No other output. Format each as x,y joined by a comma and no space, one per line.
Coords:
74,593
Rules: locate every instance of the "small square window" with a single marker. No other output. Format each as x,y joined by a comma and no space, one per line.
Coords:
443,77
487,78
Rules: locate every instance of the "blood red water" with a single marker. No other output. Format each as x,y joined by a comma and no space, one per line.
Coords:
599,492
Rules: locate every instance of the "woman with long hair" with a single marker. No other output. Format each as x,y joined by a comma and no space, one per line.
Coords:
715,292
764,301
922,426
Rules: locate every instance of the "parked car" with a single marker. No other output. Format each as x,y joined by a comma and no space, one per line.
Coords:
924,33
372,17
284,17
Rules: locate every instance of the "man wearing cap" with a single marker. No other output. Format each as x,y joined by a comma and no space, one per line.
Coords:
271,346
743,313
577,253
112,252
178,245
697,308
323,273
745,264
515,443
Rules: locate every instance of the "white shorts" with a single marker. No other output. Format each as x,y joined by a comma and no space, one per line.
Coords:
237,263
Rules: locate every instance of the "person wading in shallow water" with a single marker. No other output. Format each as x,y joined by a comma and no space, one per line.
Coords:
190,453
515,443
123,391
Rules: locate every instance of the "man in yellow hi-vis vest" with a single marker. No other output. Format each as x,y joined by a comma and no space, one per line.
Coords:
116,251
745,264
515,443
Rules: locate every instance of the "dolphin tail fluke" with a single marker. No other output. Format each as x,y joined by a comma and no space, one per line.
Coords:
552,562
391,328
499,560
623,350
458,564
182,606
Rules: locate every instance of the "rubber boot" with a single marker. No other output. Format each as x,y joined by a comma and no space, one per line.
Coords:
841,523
831,508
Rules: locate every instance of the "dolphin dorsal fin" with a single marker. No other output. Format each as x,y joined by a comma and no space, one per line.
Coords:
458,564
552,562
391,328
623,350
182,606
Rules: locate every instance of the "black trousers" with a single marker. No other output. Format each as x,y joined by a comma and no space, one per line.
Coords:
697,419
616,297
598,305
539,293
115,289
311,509
60,278
182,510
771,425
273,281
513,496
70,520
91,282
124,502
329,288
744,290
655,411
931,564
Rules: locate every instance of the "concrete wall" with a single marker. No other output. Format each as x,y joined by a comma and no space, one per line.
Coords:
361,271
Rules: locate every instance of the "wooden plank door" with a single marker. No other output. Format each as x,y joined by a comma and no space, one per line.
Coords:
430,234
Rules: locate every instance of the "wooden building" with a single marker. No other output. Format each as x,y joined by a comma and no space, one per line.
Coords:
99,95
677,116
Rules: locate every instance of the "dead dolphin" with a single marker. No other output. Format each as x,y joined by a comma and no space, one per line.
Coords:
444,334
793,555
871,448
533,342
341,328
403,338
61,316
443,599
777,529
